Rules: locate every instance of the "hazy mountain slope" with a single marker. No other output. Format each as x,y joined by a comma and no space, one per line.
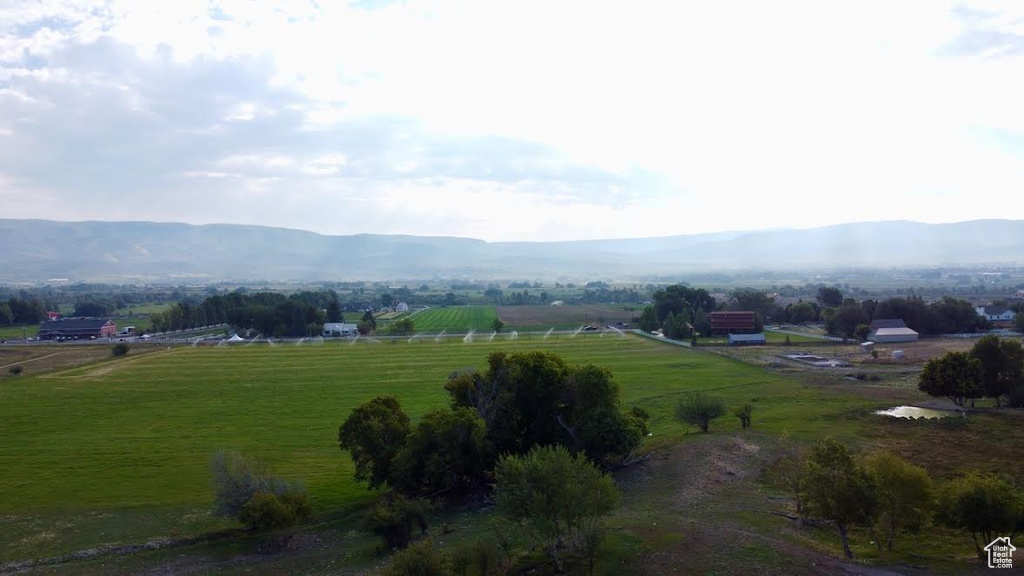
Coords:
140,251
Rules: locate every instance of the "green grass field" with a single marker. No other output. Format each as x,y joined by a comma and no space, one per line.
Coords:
117,451
18,332
454,319
139,431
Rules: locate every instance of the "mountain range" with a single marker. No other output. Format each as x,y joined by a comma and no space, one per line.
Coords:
38,250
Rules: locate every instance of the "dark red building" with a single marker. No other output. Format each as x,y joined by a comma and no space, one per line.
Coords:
732,322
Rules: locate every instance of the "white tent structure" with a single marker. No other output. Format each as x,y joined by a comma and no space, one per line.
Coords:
235,338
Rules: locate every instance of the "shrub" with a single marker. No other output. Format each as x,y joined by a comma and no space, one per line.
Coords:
744,412
393,518
15,370
120,349
237,479
446,451
483,557
699,409
265,511
420,559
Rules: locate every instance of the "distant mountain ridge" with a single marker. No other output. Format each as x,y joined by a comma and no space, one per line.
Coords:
37,250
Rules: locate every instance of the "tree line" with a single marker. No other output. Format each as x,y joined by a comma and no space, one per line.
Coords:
268,313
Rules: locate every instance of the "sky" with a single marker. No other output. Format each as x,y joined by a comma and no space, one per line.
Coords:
522,120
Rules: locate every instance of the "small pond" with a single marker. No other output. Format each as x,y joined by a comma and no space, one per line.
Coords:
915,412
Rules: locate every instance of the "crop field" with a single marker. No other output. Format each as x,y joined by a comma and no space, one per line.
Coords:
454,319
562,317
132,437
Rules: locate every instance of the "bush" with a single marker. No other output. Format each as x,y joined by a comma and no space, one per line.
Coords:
699,409
393,518
420,559
744,412
15,370
237,479
265,511
120,349
483,558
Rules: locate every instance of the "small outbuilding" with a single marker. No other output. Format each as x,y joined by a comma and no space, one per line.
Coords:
747,339
339,329
891,335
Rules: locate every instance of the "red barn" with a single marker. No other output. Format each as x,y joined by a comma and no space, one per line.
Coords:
732,322
77,329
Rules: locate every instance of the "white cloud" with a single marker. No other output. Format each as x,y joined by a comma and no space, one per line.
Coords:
751,115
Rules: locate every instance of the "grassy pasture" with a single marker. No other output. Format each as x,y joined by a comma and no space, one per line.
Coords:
18,332
454,319
131,437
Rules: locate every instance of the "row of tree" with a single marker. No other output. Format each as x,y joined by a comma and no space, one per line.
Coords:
886,495
20,311
269,313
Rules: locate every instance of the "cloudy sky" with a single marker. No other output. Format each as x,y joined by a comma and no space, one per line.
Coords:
522,120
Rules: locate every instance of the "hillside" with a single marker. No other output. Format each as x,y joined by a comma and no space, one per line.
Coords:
35,250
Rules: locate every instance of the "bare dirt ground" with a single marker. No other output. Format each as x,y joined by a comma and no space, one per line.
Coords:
537,316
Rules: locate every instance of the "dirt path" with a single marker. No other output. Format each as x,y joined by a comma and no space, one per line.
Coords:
27,361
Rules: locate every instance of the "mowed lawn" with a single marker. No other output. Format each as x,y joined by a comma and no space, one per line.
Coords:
139,431
454,319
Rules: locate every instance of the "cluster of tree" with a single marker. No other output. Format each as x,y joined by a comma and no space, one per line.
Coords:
21,311
946,316
245,490
522,400
679,310
699,409
886,495
556,498
994,368
268,313
495,295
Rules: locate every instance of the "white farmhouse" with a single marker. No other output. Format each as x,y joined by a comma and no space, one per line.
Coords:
338,329
996,313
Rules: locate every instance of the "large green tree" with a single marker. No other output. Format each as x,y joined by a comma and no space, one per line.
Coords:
373,434
534,398
447,451
834,487
905,494
557,497
956,376
1002,366
830,296
985,506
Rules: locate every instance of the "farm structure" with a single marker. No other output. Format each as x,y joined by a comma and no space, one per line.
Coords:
890,330
747,340
732,322
998,315
77,329
339,329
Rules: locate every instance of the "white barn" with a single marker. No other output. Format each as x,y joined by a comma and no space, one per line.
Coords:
402,307
889,335
337,329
